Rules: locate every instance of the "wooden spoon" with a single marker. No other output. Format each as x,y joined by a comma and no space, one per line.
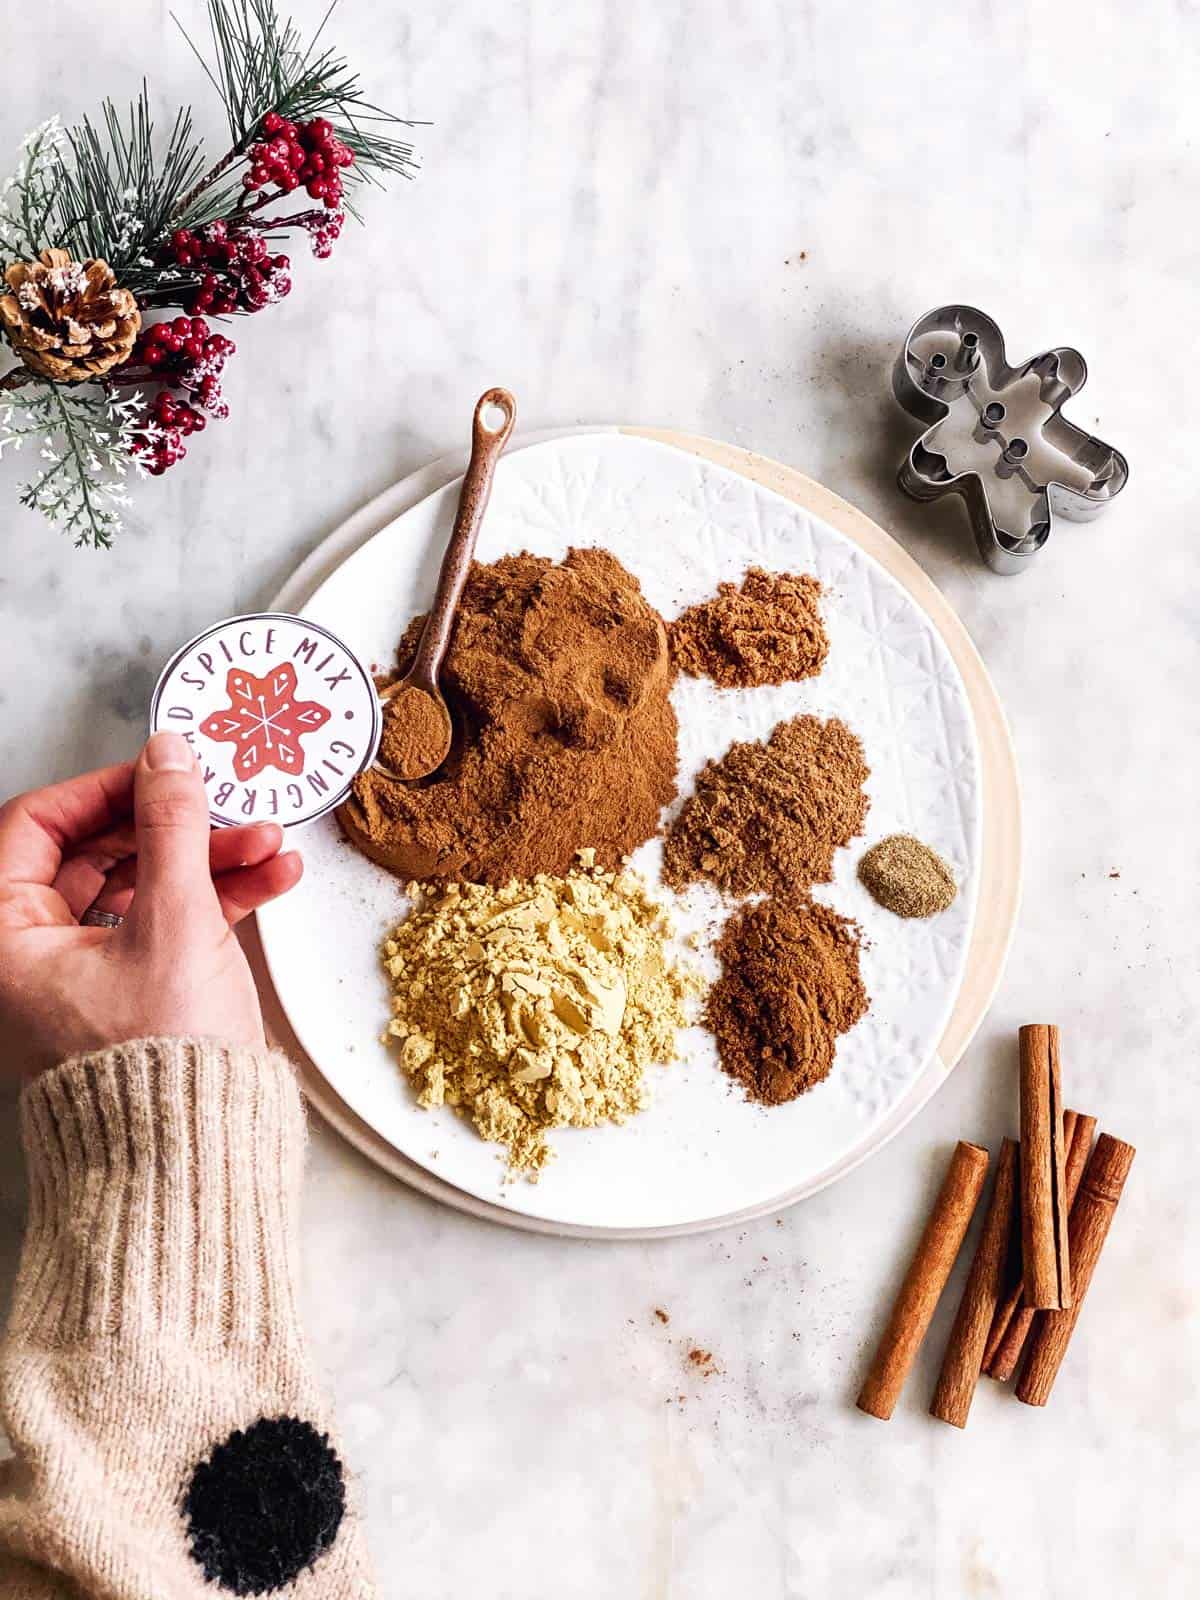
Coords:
426,731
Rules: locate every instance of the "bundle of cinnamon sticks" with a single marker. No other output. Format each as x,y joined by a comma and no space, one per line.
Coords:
1052,1202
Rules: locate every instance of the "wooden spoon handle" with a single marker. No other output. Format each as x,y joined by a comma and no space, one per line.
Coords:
486,446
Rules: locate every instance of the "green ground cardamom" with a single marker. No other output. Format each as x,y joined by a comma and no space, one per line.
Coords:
907,877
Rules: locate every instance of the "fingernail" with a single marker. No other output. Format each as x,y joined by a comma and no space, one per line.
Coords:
169,752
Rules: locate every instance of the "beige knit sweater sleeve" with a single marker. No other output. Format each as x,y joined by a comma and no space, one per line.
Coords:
169,1439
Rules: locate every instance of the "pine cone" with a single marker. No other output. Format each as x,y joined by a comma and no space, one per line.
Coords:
67,320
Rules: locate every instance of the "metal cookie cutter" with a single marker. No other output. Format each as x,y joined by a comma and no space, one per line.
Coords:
996,435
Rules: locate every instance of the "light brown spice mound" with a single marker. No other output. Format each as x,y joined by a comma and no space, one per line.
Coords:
789,986
767,632
907,877
767,817
558,680
416,733
536,1005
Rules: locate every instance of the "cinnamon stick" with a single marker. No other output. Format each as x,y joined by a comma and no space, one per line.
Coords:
963,1360
924,1281
1045,1252
1091,1218
1006,1342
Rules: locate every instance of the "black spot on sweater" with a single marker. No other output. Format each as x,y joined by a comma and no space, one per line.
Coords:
264,1505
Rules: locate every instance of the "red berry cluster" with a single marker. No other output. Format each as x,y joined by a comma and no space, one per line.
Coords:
171,421
183,354
237,271
186,354
291,155
322,227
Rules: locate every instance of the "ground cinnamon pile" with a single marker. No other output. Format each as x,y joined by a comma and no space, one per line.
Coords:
789,986
416,733
557,680
767,817
767,632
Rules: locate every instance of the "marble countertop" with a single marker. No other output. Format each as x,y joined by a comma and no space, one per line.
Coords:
723,219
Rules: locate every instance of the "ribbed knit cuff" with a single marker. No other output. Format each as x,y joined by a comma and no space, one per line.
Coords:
164,1179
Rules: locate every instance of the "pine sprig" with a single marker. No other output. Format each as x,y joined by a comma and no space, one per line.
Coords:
118,191
260,63
84,438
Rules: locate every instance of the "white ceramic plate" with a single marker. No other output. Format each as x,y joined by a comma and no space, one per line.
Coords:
682,524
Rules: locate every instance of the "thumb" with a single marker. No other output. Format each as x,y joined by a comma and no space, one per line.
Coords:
170,815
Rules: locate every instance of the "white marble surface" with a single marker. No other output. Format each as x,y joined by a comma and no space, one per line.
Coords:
610,221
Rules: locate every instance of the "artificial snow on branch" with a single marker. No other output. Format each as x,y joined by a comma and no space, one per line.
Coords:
27,198
86,442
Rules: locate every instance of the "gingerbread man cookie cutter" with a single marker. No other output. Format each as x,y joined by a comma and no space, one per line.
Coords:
996,435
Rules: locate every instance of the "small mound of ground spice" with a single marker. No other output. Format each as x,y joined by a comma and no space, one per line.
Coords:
768,631
416,733
767,817
789,986
907,877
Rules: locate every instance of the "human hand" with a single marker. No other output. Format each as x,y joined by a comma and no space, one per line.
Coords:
134,840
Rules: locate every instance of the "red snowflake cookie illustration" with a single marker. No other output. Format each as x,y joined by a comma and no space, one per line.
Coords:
265,720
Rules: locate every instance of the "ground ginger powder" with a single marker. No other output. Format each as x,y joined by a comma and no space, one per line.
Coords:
535,1005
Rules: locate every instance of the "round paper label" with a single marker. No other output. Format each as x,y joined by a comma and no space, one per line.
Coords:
281,714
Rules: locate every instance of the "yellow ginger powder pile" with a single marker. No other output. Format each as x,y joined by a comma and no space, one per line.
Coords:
536,1005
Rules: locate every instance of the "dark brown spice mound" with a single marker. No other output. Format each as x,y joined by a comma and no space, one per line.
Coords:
789,986
767,817
767,632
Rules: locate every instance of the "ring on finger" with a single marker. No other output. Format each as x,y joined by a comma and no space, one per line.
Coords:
92,918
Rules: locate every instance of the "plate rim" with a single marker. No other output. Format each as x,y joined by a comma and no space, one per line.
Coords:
1000,856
